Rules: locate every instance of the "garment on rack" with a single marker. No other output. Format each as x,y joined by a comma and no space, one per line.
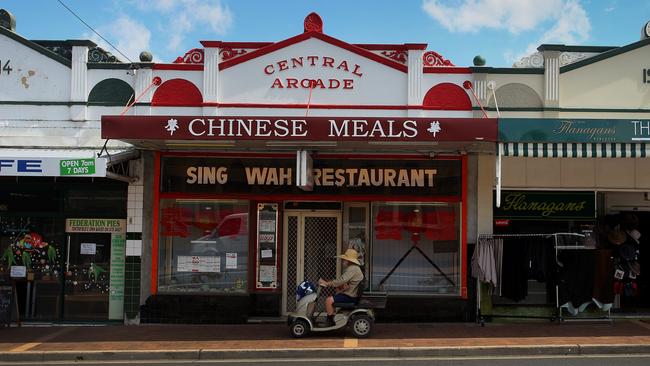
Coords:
585,278
524,258
484,261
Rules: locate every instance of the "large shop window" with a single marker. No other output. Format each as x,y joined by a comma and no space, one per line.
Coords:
416,248
203,246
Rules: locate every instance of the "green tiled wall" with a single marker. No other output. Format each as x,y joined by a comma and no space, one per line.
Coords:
132,287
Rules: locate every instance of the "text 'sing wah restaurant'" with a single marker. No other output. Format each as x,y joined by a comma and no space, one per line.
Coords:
264,160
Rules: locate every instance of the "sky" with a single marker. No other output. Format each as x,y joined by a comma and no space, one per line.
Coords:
502,31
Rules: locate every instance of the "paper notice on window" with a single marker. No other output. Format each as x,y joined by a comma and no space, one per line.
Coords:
267,225
267,253
88,249
231,260
198,263
267,274
267,238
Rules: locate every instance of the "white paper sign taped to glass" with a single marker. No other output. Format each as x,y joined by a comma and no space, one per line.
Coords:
231,260
267,274
18,272
198,263
267,225
88,248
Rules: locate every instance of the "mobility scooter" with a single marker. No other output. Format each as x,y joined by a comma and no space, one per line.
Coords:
359,316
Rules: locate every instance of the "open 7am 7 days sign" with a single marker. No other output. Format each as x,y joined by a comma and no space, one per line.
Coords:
52,167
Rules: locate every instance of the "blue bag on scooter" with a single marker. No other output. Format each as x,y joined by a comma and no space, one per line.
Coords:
304,288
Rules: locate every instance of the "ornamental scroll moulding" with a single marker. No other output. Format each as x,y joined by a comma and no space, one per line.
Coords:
399,56
228,52
434,59
193,56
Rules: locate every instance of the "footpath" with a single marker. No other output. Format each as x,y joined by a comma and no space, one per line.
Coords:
255,341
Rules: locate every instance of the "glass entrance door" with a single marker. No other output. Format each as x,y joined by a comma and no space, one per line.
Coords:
87,276
312,241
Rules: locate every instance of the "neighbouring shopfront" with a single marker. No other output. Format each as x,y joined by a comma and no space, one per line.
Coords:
60,236
584,180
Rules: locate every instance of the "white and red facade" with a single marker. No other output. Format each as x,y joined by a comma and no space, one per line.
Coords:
393,144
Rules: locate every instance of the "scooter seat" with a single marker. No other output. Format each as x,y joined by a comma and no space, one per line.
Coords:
345,305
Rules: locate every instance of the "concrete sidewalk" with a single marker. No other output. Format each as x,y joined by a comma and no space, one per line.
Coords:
203,342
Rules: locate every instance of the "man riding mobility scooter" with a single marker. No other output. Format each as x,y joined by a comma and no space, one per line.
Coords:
347,307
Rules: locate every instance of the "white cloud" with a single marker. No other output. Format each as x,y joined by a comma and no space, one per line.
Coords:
128,35
515,16
180,18
571,27
558,21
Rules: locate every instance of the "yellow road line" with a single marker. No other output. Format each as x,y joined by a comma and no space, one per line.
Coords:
24,347
350,343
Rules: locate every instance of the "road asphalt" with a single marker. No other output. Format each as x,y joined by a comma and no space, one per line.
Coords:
273,341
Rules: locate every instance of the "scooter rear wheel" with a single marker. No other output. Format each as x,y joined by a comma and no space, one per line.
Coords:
361,326
300,328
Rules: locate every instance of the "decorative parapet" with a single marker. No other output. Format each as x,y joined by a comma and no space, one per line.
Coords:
193,56
228,52
98,54
536,60
434,59
400,56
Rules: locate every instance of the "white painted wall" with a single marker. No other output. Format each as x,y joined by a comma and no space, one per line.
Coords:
612,83
247,82
576,173
34,77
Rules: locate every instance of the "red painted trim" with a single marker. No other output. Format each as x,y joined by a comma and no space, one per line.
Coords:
312,106
179,67
310,197
230,154
321,106
392,47
246,44
316,156
447,70
304,36
213,44
463,264
155,219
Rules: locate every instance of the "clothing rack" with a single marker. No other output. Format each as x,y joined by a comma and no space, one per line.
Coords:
480,317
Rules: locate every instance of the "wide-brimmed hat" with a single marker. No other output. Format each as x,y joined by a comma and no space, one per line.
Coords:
616,236
350,255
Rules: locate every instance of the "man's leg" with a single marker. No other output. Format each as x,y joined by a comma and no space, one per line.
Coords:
329,305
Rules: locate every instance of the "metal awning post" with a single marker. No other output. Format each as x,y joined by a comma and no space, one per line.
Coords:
498,174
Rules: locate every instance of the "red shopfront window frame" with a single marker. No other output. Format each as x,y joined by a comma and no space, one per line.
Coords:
254,199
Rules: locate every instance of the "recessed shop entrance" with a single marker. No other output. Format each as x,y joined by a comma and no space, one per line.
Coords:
312,239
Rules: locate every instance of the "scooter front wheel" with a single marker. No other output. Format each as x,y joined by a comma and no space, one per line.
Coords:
361,326
300,328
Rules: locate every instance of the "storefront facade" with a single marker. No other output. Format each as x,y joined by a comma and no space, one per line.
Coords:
572,158
294,151
63,214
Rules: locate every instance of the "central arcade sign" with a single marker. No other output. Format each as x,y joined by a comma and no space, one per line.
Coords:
298,128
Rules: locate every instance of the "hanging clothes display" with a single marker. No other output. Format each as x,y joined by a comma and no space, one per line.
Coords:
525,258
486,261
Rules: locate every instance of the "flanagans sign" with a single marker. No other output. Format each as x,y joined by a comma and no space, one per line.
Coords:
532,205
297,128
573,130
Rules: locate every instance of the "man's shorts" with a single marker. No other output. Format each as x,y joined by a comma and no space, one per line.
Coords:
344,298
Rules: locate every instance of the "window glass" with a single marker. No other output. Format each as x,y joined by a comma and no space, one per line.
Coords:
203,246
416,248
